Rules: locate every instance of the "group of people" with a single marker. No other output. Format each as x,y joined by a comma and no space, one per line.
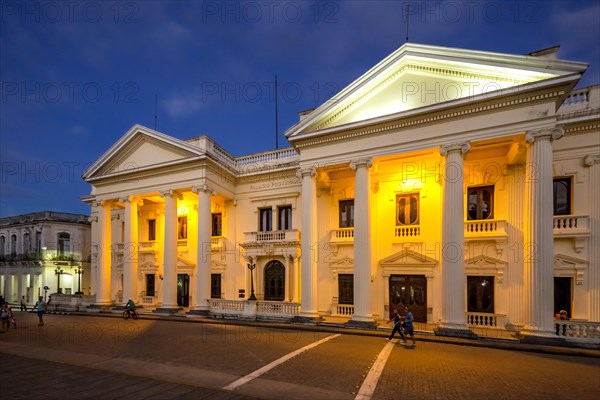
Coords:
403,328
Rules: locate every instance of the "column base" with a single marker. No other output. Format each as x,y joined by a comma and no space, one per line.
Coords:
168,310
98,307
550,339
454,330
306,319
353,323
199,312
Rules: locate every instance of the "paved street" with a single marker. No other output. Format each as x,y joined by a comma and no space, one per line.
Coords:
92,357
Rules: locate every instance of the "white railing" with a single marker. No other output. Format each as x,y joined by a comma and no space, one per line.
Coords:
216,242
275,308
226,306
147,246
482,319
567,224
267,156
182,243
342,235
244,309
577,97
290,235
578,329
148,300
407,231
344,309
485,227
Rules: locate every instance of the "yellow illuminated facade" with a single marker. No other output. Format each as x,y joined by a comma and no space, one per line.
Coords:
456,182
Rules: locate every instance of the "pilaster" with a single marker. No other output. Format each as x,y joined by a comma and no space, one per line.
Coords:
203,260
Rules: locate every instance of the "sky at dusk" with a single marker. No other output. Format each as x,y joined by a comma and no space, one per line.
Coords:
75,76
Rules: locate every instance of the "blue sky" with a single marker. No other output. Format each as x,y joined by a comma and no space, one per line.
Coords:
75,76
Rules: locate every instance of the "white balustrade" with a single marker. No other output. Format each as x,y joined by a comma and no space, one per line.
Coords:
342,235
485,227
290,235
482,319
407,231
578,329
566,224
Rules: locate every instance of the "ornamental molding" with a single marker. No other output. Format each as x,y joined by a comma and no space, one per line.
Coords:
306,171
171,193
437,118
572,267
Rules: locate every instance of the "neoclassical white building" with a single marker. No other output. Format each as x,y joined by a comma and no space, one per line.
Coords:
460,183
43,253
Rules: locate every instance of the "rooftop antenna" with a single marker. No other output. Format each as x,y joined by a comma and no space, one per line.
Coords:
407,17
276,118
155,110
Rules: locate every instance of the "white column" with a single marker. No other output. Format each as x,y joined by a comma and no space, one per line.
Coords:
453,239
8,297
308,244
362,242
515,181
169,286
20,284
203,261
538,235
288,277
130,249
103,254
593,162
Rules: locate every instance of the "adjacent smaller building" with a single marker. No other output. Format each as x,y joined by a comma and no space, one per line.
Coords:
43,253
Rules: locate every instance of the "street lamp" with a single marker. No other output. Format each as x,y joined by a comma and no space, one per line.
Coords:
79,272
251,267
58,272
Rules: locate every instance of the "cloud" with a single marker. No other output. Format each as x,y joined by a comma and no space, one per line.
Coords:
180,106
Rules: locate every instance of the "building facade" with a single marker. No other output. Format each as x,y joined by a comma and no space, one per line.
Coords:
43,253
459,183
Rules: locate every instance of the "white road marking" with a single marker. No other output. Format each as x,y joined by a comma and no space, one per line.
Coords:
245,379
370,383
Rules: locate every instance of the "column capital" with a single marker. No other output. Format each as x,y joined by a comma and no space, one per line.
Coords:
203,188
132,199
306,171
591,159
554,133
92,219
102,203
462,147
171,193
362,162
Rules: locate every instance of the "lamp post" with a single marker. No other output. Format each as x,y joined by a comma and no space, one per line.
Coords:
58,272
251,267
79,272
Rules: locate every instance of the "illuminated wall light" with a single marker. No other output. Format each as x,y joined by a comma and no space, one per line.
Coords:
181,211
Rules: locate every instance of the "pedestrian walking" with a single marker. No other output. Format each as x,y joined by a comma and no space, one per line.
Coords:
5,316
40,305
11,318
397,326
409,326
23,304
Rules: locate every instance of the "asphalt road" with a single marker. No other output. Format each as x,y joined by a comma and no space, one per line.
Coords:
92,357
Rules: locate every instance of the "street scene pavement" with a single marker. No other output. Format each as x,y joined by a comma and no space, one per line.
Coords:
108,357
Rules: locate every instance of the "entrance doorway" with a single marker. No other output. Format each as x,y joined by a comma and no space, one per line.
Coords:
183,290
562,295
409,291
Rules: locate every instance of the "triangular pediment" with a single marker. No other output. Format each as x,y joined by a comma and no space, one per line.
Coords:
484,260
140,149
407,257
562,260
184,263
416,77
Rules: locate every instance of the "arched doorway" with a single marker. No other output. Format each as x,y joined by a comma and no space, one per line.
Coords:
274,281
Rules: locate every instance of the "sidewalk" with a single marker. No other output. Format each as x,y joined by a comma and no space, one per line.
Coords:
492,338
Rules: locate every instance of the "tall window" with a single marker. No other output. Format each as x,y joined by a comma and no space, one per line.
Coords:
346,289
346,213
480,294
562,196
274,281
480,203
38,243
285,217
151,229
63,244
217,224
27,243
13,245
407,209
215,286
2,246
150,284
266,219
182,227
